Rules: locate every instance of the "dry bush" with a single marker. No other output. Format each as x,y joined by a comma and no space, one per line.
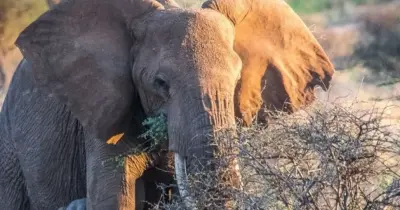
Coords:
329,156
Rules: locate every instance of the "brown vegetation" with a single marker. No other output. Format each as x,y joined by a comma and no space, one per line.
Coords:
329,156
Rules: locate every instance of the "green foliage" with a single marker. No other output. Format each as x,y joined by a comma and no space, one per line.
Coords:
155,135
157,129
311,6
119,159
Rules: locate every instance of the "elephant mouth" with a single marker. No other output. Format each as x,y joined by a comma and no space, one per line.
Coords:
183,182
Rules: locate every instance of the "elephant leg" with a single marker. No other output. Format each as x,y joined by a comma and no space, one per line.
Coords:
158,181
153,194
111,177
140,197
80,204
13,193
157,191
54,171
49,145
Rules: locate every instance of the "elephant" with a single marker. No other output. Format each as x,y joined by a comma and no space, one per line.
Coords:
93,70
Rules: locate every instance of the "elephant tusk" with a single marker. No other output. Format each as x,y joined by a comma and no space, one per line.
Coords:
182,180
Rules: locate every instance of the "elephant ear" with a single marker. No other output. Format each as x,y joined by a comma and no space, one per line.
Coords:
79,51
282,60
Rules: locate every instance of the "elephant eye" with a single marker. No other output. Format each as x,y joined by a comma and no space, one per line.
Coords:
162,85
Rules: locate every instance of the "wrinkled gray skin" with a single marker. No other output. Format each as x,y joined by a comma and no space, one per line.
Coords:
94,69
54,148
46,148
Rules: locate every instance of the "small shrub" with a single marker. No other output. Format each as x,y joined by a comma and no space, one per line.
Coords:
328,156
156,129
155,134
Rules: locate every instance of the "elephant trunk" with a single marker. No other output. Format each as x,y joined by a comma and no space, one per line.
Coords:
210,149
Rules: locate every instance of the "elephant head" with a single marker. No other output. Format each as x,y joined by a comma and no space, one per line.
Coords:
108,60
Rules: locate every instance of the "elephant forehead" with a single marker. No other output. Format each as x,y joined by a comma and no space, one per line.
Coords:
210,26
193,27
199,40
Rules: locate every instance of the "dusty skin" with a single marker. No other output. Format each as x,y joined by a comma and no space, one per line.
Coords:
95,69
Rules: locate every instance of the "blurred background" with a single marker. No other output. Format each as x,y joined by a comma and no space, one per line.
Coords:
362,37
